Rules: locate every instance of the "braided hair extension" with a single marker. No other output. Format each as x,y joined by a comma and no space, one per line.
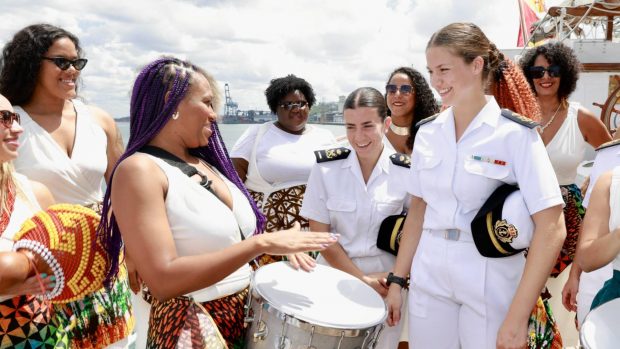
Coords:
512,91
158,90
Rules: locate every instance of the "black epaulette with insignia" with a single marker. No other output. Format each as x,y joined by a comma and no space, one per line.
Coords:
331,154
400,159
425,120
608,144
519,119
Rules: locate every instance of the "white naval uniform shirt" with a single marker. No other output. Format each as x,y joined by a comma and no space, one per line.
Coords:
454,185
337,195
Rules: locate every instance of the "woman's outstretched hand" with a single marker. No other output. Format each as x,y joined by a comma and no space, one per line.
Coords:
293,240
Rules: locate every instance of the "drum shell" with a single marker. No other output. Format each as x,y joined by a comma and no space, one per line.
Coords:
269,325
600,327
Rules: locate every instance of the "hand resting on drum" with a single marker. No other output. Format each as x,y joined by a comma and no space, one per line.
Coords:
378,281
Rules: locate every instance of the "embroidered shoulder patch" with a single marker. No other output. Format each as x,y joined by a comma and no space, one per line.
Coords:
400,159
519,119
608,144
426,120
331,154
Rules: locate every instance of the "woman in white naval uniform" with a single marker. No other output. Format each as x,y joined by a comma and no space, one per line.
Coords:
457,298
351,194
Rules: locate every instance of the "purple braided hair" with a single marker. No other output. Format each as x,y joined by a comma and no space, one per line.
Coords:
150,110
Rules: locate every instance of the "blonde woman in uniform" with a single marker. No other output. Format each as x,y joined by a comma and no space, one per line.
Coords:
458,298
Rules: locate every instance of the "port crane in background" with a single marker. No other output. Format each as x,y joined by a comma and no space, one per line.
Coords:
232,114
230,106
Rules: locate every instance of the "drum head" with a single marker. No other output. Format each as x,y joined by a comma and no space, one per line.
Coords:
600,328
325,296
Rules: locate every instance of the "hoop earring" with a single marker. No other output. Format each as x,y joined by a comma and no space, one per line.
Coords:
175,115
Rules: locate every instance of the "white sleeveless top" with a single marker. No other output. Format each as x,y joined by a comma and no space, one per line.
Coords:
567,148
201,223
26,205
78,179
614,207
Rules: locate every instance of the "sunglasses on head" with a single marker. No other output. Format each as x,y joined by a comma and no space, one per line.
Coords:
538,72
8,117
65,63
293,105
404,89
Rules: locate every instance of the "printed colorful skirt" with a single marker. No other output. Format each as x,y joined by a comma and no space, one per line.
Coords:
573,216
29,322
610,291
101,318
543,331
171,320
281,209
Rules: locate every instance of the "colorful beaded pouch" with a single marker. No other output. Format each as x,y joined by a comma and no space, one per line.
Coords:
65,237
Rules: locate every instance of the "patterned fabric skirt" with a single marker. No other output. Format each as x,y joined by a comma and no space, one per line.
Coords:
282,209
167,319
610,291
101,318
573,216
28,322
543,332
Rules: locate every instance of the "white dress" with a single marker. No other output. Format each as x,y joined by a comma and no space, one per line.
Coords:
78,179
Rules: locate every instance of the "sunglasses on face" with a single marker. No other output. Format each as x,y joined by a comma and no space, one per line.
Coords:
8,117
538,72
64,63
404,89
293,105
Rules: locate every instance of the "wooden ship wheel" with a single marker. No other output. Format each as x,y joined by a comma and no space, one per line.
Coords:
610,113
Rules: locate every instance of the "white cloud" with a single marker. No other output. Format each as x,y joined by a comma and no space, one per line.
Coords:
336,45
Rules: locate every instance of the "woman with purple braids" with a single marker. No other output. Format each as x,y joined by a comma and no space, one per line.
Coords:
182,211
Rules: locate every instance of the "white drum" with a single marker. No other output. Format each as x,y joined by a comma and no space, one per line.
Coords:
322,309
600,328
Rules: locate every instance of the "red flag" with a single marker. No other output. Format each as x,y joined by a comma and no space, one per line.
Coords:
528,10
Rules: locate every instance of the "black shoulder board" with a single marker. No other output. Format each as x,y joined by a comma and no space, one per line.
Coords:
425,120
400,159
331,154
608,144
518,118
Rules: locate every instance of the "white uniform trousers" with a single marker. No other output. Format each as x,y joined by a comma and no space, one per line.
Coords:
390,336
458,299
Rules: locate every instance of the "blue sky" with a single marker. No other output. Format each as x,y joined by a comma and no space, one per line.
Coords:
337,45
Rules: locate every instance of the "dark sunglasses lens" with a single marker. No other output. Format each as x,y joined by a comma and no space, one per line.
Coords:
391,88
79,64
9,117
406,89
62,63
537,72
553,71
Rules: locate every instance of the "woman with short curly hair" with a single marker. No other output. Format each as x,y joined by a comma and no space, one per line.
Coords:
567,128
274,159
409,99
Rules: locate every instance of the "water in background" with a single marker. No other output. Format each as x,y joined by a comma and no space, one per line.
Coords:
232,132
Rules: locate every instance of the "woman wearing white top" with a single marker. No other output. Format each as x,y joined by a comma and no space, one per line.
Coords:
600,243
71,148
351,194
24,318
185,232
274,159
409,100
567,129
458,298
